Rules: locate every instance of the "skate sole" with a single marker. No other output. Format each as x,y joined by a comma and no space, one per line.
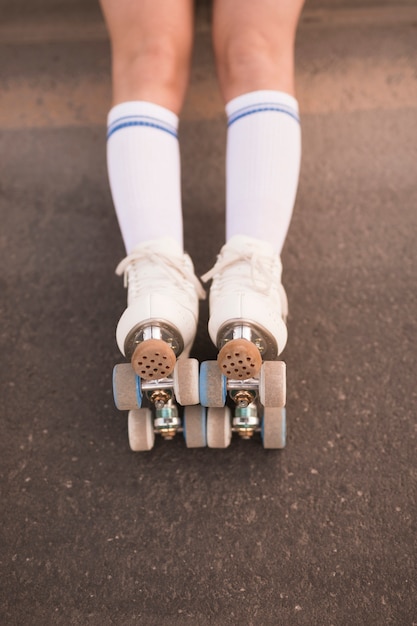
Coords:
239,359
153,359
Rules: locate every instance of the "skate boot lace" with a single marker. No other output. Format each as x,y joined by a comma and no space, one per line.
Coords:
262,269
177,271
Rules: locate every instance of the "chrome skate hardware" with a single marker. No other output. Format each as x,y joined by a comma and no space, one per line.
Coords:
153,405
157,330
257,401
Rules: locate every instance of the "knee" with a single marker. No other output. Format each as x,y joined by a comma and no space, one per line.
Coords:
147,60
250,61
243,59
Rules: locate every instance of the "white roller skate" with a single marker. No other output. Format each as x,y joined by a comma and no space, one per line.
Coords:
248,310
155,333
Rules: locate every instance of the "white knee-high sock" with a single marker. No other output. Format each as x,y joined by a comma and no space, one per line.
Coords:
262,165
143,161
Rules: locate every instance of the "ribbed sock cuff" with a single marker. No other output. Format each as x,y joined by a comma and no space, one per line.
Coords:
141,113
261,101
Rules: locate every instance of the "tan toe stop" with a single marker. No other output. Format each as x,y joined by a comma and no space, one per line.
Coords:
153,359
239,359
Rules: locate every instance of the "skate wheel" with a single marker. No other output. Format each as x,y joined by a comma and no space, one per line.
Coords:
272,384
126,388
239,359
186,382
219,427
273,430
194,426
140,430
153,359
212,385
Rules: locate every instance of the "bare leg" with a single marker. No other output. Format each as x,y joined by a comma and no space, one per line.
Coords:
254,45
151,49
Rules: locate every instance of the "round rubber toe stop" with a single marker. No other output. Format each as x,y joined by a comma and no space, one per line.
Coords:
153,359
239,359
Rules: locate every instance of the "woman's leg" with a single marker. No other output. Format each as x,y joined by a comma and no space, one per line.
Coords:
151,43
254,46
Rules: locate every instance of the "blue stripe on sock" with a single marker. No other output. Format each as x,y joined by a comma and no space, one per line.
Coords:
145,118
260,108
140,120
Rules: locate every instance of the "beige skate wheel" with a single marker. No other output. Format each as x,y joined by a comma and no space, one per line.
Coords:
272,384
239,359
153,359
140,430
186,388
126,392
219,427
194,426
274,428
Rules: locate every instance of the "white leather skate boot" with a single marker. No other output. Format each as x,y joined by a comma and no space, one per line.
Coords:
160,321
248,307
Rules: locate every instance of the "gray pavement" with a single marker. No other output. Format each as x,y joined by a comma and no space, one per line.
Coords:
322,533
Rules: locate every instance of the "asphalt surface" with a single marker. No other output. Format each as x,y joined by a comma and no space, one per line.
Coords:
322,533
